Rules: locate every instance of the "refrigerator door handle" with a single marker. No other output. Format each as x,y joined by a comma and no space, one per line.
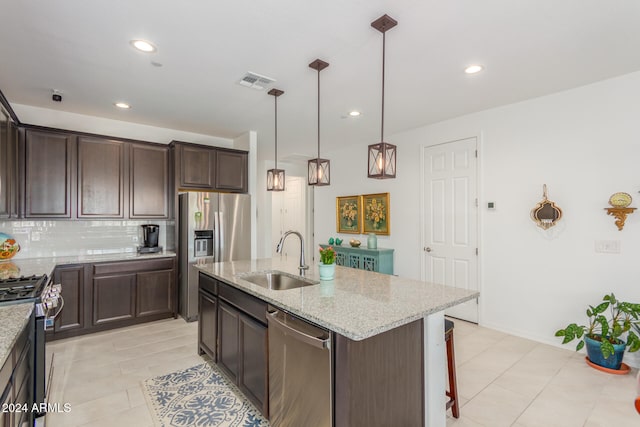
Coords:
216,236
221,235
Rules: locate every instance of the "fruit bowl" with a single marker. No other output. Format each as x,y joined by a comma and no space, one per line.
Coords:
8,247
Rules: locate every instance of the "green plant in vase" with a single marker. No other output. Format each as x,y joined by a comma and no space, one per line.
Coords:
327,255
602,336
327,267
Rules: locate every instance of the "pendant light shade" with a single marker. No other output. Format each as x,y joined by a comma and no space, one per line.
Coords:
319,169
382,156
275,176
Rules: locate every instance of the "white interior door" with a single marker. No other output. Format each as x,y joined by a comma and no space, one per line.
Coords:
288,213
450,220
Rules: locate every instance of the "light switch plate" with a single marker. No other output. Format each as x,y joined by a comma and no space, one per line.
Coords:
608,246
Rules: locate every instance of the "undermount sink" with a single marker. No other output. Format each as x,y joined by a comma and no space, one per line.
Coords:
277,280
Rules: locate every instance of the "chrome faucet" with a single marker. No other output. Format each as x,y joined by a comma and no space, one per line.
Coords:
302,265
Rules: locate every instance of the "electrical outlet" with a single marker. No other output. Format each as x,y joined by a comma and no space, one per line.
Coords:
608,246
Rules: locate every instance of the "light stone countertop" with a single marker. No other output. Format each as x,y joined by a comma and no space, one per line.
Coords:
357,304
13,318
39,266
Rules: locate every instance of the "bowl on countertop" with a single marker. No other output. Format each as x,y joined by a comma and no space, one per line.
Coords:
355,243
8,247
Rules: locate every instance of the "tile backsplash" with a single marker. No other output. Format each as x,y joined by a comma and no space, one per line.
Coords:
39,239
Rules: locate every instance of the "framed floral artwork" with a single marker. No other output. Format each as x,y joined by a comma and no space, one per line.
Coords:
348,210
375,214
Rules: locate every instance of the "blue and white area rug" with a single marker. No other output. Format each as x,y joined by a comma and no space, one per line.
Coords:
200,396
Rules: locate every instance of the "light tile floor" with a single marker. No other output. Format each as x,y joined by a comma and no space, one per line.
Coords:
503,380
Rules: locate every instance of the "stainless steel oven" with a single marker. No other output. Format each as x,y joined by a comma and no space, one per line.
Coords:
48,303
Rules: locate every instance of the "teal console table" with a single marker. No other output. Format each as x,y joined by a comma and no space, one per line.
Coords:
379,260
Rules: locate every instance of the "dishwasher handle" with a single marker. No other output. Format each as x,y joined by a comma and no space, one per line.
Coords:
276,319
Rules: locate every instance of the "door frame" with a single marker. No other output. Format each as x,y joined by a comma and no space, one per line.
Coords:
307,232
479,136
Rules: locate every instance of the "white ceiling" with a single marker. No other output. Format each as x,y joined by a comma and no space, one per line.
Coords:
529,48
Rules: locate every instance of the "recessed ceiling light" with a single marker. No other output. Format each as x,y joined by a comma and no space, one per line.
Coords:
354,113
143,45
122,105
472,69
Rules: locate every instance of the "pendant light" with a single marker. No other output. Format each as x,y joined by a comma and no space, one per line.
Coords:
319,168
275,176
382,156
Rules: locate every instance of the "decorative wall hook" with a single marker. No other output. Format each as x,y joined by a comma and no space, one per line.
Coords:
546,214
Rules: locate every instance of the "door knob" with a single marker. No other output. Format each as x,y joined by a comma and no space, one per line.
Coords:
427,249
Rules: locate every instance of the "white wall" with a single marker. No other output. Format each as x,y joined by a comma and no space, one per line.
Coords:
249,142
116,128
583,144
263,198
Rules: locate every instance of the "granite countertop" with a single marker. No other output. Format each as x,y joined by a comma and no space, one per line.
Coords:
357,304
39,266
13,318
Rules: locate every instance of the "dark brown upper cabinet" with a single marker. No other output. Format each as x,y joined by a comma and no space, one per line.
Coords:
8,166
210,168
149,181
101,176
231,171
197,165
49,172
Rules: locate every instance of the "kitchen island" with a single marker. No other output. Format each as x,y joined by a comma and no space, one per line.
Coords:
394,325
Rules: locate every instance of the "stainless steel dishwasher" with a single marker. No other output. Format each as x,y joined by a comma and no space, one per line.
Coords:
300,372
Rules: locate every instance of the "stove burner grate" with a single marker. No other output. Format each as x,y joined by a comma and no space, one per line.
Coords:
20,287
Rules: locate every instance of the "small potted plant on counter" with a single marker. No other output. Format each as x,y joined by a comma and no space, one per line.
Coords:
327,267
605,348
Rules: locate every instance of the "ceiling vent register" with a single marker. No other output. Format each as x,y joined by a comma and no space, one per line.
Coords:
255,81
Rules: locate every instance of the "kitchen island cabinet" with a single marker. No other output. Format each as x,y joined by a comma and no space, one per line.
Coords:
388,337
208,317
232,326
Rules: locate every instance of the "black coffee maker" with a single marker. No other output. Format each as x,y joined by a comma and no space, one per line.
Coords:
150,234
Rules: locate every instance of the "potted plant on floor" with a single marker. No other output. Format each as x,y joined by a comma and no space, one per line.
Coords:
603,335
327,267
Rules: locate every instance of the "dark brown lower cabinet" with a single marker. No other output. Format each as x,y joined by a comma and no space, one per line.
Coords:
110,295
154,293
207,324
114,298
241,351
71,277
252,379
15,384
228,343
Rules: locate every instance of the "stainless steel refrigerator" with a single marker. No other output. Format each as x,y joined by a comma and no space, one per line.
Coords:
212,227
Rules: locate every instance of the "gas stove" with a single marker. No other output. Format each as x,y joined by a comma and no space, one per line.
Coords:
48,303
22,288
